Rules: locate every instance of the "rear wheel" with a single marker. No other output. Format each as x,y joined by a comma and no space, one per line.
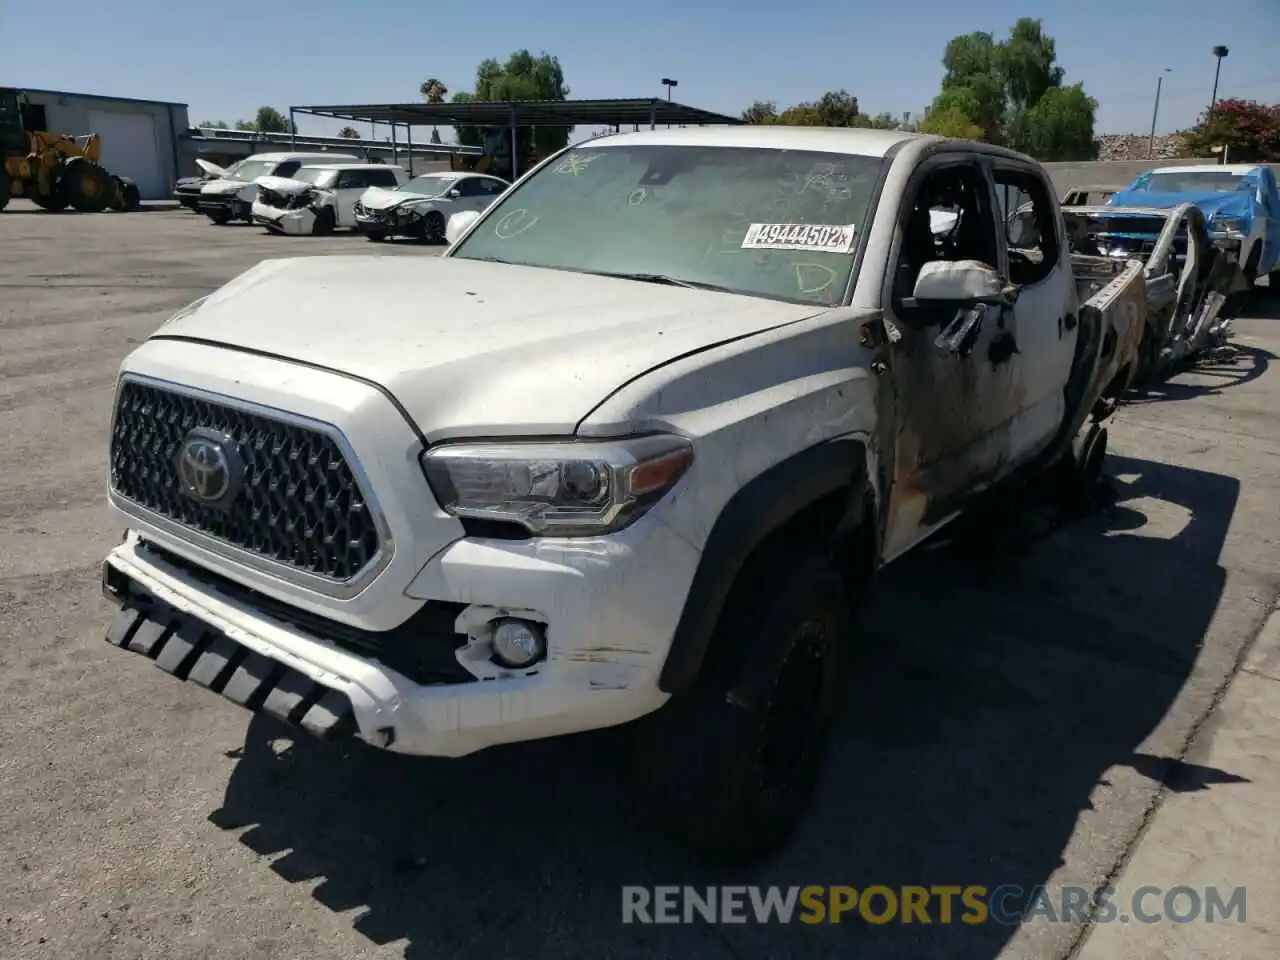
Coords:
220,217
86,185
127,197
729,767
5,188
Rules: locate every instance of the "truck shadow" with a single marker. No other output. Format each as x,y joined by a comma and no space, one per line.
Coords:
1007,671
1207,377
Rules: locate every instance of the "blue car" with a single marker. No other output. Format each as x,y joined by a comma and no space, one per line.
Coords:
1240,202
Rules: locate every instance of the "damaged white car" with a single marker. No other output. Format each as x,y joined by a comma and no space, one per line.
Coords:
231,198
317,199
422,207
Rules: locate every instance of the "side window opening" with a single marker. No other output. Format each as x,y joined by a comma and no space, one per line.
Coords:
1030,229
288,168
950,219
382,178
348,179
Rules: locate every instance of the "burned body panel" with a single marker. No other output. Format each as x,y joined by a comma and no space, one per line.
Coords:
1186,277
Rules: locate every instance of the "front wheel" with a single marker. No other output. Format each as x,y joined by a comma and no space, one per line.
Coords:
729,767
87,186
375,236
324,223
220,217
433,227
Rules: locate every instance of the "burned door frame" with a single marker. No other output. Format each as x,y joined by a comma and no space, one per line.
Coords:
941,430
1045,323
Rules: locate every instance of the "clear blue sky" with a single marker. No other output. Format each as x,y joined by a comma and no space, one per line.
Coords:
228,57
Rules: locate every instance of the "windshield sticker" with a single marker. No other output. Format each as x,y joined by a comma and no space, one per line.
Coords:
821,238
575,163
513,224
637,196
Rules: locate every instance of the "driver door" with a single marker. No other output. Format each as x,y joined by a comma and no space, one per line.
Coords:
956,383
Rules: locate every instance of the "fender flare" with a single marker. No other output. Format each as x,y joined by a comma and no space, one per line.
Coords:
757,510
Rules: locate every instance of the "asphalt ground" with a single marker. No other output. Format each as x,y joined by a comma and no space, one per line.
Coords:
1026,694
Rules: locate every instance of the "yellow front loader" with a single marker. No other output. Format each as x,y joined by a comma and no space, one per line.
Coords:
53,170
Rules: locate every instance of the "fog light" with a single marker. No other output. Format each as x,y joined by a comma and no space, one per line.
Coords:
518,643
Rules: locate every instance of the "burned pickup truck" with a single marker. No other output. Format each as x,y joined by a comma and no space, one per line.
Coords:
631,450
1187,277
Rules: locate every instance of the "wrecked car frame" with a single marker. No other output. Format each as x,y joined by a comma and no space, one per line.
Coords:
1187,276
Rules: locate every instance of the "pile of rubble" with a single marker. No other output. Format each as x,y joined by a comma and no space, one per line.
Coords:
1133,146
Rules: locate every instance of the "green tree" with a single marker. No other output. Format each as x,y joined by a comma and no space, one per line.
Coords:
1058,127
246,125
835,108
1249,130
349,133
271,120
951,123
1012,89
522,77
762,111
215,125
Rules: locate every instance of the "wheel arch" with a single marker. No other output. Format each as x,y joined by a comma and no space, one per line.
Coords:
824,494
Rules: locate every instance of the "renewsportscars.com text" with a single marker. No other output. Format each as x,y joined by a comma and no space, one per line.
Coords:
1009,905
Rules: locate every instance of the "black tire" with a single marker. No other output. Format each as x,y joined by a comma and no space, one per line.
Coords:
433,227
729,768
5,187
375,236
86,185
325,222
54,202
220,217
129,197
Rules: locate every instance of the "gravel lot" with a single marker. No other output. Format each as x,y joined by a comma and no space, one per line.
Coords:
1024,697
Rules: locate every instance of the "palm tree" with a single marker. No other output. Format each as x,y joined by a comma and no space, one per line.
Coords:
434,91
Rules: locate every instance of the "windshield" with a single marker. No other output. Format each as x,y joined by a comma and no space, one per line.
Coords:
766,222
1195,182
431,185
316,175
252,169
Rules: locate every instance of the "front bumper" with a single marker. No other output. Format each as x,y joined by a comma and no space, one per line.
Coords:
610,605
226,203
299,221
390,223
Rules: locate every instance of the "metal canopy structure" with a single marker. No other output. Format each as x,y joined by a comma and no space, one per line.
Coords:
520,113
524,113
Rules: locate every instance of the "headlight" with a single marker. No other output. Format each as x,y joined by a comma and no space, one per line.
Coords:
189,309
568,489
1227,225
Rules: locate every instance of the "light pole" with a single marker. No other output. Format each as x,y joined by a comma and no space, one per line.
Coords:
1151,143
669,83
1219,53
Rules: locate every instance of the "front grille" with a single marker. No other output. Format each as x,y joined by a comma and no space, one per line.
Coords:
282,201
299,503
422,648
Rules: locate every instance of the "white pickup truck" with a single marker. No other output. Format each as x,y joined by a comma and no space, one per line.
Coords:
630,449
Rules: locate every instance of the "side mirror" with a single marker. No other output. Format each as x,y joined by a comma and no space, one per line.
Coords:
963,282
454,194
458,224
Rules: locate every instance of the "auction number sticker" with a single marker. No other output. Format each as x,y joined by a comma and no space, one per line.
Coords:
821,238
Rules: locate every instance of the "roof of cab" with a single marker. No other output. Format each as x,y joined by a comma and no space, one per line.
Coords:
298,154
1237,168
861,141
352,166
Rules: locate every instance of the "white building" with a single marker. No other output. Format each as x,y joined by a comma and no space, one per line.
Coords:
139,137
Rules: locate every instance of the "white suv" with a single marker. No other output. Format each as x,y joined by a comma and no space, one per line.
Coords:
629,449
320,197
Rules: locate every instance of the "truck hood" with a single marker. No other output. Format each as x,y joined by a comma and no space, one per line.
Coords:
225,186
473,348
212,169
286,186
1212,203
